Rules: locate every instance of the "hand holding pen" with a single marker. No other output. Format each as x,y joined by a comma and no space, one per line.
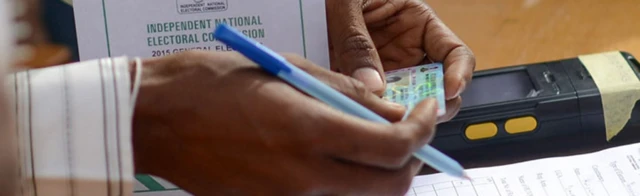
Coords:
276,65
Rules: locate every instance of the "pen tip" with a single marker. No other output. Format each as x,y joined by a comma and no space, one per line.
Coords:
465,176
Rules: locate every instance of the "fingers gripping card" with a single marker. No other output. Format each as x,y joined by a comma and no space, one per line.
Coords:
411,85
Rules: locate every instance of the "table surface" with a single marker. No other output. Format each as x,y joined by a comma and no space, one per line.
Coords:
508,32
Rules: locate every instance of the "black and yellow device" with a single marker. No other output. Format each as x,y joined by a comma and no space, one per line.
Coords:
531,103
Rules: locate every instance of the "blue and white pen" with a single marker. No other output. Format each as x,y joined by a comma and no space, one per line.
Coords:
279,66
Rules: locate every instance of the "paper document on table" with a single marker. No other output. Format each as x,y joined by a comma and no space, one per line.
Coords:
154,28
613,172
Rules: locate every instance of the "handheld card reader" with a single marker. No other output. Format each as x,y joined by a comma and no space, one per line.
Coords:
528,103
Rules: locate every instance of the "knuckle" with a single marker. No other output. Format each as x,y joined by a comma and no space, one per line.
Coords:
423,9
359,90
470,54
466,53
401,150
351,87
406,143
294,58
356,44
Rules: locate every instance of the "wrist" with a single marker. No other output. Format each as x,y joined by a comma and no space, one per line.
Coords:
158,98
141,142
132,74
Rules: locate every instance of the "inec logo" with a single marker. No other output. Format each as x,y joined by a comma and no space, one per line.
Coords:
201,6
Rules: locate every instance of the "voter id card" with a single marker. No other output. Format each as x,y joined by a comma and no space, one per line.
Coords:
411,85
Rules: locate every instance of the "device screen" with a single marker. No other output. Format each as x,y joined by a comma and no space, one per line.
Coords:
497,88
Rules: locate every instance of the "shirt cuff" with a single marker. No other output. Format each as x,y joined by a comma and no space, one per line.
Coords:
74,128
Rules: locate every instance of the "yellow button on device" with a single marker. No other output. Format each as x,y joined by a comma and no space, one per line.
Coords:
521,125
481,131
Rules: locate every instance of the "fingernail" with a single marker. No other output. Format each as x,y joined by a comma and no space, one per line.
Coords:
460,88
458,91
370,77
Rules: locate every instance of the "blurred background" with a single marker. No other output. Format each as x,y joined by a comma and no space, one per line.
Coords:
509,32
500,32
46,32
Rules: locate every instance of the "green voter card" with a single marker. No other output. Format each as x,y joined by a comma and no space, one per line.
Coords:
411,85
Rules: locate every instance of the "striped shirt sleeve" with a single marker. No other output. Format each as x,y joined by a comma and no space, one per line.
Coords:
73,125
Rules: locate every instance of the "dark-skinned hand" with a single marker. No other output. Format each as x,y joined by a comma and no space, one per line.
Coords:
214,123
368,37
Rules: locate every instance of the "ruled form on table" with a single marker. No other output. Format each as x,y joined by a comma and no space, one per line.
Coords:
613,172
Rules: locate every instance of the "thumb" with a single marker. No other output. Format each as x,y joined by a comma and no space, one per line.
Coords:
354,52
